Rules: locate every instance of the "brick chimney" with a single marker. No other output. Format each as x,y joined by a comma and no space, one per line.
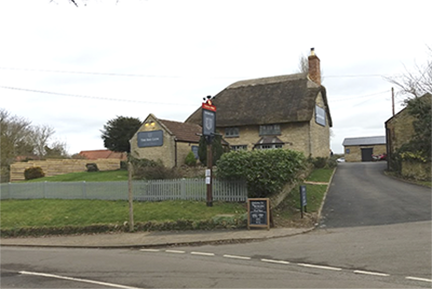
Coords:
314,67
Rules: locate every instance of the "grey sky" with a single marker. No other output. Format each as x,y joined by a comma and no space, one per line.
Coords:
163,57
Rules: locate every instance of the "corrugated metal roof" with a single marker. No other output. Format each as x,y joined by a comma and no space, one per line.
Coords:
371,140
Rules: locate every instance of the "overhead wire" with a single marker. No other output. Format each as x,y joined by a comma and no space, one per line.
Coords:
150,76
94,97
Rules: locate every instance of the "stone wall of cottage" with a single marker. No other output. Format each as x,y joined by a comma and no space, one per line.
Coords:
355,154
319,135
305,137
183,148
61,166
164,153
292,134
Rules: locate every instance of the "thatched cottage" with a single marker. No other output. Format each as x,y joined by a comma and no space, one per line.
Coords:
288,111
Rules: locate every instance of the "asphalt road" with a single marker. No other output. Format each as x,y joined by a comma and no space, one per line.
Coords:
176,268
361,195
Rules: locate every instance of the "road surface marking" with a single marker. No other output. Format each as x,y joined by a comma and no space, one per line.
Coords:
237,257
150,250
77,279
175,251
275,261
319,267
202,253
419,279
371,273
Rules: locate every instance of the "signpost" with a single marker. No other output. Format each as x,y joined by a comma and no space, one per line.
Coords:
258,212
208,131
303,200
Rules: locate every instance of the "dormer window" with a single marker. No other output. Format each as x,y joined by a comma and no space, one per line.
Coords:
270,129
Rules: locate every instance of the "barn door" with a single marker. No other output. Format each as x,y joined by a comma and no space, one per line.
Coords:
367,154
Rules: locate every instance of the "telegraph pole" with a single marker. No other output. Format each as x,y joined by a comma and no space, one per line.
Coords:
393,102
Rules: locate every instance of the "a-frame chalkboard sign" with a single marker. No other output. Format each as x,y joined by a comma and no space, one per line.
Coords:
258,212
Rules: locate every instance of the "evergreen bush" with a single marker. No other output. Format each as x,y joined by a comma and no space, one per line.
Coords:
190,159
265,171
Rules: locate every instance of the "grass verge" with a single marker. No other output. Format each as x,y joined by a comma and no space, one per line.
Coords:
25,217
288,213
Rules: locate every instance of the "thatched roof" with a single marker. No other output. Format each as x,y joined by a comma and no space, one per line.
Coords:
271,100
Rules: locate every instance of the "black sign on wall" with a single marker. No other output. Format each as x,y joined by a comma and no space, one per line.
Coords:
259,212
150,138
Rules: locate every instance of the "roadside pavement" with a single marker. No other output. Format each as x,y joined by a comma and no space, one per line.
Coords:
153,239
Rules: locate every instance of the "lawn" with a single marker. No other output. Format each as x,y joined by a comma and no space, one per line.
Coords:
60,213
320,175
101,176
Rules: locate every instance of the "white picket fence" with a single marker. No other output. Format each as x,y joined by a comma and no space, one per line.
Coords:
150,190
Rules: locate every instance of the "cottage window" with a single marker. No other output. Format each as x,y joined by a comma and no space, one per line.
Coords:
270,129
232,132
269,146
239,147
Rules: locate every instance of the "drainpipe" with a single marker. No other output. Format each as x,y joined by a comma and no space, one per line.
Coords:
175,152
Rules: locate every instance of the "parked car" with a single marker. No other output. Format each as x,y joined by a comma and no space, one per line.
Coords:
381,157
340,160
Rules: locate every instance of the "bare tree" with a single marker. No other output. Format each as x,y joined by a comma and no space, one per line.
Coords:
40,136
56,150
303,65
416,83
14,128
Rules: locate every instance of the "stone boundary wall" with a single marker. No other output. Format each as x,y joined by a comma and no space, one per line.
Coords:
61,166
416,170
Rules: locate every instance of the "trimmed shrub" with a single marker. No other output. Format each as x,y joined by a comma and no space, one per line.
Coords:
265,171
33,173
190,159
92,167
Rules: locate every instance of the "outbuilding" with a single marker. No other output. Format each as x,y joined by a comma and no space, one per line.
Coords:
361,149
166,141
